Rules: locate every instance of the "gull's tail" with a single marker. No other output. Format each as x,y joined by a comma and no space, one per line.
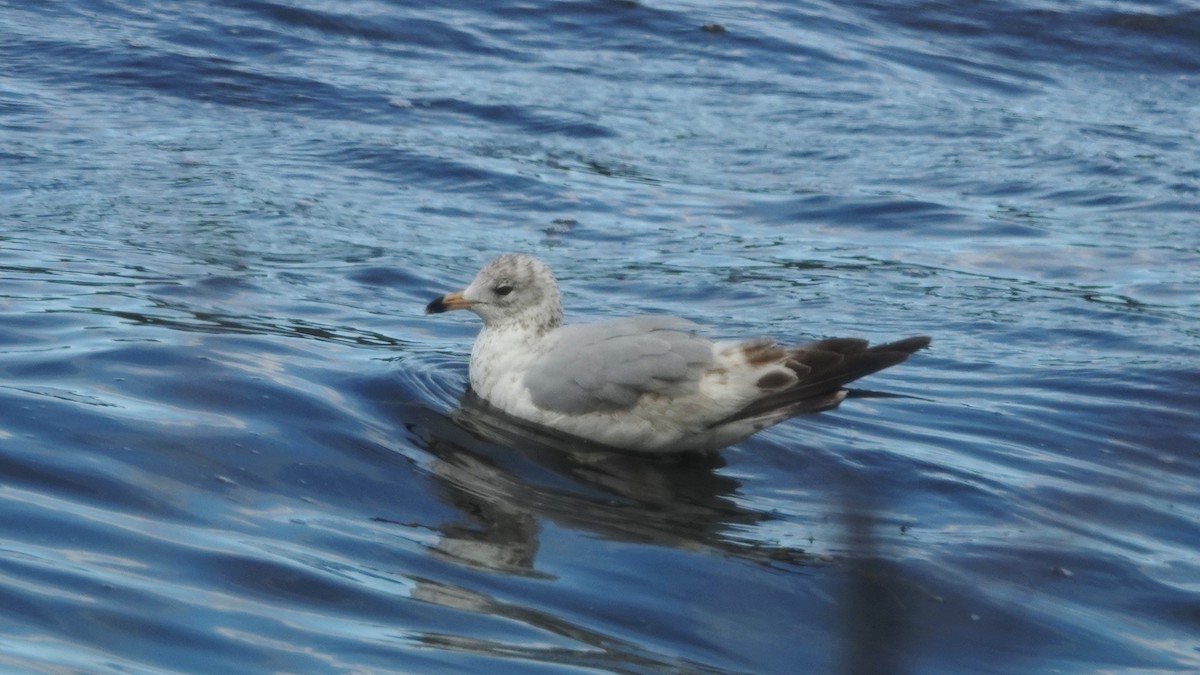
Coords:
823,369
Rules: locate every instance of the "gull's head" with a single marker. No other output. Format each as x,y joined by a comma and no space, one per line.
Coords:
514,288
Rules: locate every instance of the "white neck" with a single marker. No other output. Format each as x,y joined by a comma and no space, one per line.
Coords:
501,355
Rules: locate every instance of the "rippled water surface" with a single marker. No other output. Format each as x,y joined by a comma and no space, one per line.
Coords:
230,441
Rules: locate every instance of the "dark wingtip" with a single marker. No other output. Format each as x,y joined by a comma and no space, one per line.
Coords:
907,345
918,342
436,307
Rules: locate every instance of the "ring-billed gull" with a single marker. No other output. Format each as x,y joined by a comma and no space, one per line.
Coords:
645,383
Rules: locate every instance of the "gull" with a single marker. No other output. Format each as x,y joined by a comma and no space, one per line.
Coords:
646,384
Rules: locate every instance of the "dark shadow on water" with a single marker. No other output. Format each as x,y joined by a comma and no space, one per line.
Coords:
877,599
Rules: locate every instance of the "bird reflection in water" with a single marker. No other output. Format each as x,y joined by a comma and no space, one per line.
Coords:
506,475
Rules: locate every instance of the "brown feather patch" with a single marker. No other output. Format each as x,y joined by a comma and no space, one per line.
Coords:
761,352
817,360
801,370
776,379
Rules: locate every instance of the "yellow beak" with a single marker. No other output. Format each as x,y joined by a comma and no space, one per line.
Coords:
448,302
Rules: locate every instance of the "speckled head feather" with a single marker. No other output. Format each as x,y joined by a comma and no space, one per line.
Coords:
516,289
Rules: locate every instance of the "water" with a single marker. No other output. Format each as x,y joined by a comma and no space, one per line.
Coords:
230,440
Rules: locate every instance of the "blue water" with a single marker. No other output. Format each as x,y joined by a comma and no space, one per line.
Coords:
230,441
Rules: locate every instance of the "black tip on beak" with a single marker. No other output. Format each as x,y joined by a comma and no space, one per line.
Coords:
436,307
448,302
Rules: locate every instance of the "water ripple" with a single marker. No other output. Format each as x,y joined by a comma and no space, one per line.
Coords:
230,438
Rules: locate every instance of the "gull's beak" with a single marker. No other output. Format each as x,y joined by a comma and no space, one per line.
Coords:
448,302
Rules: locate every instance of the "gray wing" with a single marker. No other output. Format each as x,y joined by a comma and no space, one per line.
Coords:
609,365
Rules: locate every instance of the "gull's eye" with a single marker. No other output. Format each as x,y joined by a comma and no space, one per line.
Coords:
503,290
